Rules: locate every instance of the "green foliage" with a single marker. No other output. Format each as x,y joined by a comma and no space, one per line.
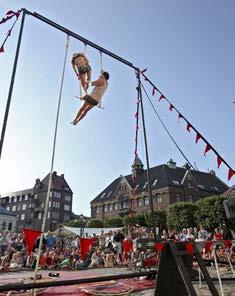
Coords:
139,219
114,222
159,217
74,223
211,212
94,223
182,215
127,221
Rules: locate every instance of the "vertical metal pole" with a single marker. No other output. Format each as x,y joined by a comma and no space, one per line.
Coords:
4,125
147,158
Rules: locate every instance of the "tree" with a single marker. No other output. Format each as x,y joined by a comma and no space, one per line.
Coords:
182,215
73,223
159,218
95,223
211,212
114,222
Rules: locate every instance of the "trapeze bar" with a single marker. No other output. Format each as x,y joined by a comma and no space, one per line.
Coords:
32,285
76,36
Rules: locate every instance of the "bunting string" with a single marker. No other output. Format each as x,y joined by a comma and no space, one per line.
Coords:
189,127
10,14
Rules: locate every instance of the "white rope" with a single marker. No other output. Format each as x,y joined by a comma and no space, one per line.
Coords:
101,70
52,163
80,85
217,270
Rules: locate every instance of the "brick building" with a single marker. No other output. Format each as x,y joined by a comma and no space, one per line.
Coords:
169,184
7,220
29,204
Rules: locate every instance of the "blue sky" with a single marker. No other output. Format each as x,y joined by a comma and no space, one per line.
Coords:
188,47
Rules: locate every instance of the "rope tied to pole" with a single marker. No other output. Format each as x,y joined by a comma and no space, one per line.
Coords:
52,162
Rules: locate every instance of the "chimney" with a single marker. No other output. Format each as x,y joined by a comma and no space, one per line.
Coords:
62,176
212,172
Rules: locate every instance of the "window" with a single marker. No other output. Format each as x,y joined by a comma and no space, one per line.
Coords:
26,197
146,201
190,198
23,207
15,199
57,194
155,182
51,193
8,208
23,197
139,202
39,215
10,226
35,196
115,206
123,205
189,184
18,207
136,187
66,217
175,182
178,197
110,207
4,225
66,207
22,216
145,185
48,215
110,192
105,208
67,198
201,186
49,205
158,198
13,208
97,210
102,195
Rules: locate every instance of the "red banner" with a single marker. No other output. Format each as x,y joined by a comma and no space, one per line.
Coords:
85,243
30,238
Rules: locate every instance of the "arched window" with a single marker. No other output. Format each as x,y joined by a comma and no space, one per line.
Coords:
146,201
115,206
110,207
105,208
158,198
139,202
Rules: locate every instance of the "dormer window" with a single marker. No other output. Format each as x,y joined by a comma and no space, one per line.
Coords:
102,195
175,182
201,186
155,182
145,185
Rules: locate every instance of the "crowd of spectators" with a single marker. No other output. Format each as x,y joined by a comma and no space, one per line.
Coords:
107,250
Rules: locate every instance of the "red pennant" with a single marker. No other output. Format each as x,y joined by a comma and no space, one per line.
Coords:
179,116
230,174
30,236
153,92
189,248
188,126
208,148
198,137
10,12
161,97
2,49
136,114
171,107
219,161
17,14
142,71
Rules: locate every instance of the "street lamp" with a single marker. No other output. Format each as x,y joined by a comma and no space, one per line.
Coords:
82,222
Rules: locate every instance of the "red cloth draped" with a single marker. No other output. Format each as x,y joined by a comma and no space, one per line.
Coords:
30,238
127,246
208,246
159,247
189,248
85,243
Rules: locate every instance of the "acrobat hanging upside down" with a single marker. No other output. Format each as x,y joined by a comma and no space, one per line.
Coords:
100,86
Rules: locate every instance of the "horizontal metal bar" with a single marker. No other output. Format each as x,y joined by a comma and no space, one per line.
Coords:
32,285
84,40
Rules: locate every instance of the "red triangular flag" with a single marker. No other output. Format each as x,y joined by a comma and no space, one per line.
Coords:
10,12
2,49
219,161
188,126
230,174
153,92
171,107
136,114
208,147
142,71
198,137
179,116
161,97
30,236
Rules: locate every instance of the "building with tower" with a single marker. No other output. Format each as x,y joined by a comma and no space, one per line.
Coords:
169,184
29,204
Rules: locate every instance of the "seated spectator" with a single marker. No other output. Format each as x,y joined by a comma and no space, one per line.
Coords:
31,261
5,262
96,259
16,261
109,259
218,235
189,235
202,234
